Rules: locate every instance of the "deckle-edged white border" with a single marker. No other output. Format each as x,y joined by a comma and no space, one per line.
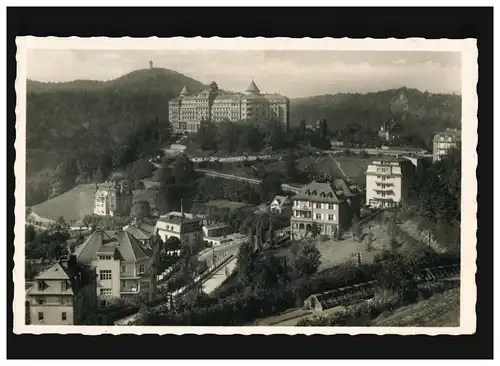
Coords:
469,53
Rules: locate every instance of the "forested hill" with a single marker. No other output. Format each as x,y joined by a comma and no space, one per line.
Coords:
156,79
83,121
412,110
83,114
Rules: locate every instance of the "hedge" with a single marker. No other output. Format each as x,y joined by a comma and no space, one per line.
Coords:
244,307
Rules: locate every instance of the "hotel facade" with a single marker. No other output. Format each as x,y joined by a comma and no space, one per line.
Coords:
187,111
329,205
443,142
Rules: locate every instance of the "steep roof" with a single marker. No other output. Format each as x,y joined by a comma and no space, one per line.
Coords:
77,275
280,199
335,192
140,231
185,90
54,272
130,248
252,88
100,241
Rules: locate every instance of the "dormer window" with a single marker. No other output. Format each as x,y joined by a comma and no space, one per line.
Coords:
64,286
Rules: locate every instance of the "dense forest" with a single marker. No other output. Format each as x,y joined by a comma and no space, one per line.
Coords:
90,127
410,112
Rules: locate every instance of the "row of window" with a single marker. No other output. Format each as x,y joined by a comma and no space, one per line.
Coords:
64,286
318,205
65,300
105,257
105,274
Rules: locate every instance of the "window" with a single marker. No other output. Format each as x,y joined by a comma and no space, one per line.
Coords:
41,287
105,274
318,205
331,217
40,316
105,292
40,301
123,269
331,207
64,286
105,257
141,269
63,316
318,216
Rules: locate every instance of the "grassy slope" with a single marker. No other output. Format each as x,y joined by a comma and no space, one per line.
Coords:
79,201
72,205
440,310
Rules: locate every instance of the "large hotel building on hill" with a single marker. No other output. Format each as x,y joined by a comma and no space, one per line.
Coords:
187,111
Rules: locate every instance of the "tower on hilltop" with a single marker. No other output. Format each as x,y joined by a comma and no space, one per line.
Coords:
150,64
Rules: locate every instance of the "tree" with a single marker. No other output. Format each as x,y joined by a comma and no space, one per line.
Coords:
356,228
206,136
140,210
270,186
308,259
290,166
397,274
323,129
183,170
315,230
302,130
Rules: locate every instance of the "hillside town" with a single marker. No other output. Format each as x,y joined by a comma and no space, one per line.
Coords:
241,215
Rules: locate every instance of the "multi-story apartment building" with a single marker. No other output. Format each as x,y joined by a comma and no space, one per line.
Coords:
62,294
124,265
330,205
387,181
184,226
187,111
112,199
443,142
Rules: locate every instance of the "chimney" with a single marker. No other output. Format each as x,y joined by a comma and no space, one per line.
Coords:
182,208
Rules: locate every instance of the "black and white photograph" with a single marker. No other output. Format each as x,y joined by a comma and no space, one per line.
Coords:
245,185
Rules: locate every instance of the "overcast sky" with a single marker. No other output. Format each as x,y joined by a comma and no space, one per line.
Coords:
292,73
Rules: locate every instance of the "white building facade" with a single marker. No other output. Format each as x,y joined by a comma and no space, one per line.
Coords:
387,182
187,111
185,227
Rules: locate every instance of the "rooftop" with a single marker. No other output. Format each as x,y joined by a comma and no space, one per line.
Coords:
388,159
335,192
177,218
217,225
76,274
128,248
140,230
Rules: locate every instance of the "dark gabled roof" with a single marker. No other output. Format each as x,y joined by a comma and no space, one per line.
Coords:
100,241
252,88
62,271
185,91
140,231
335,192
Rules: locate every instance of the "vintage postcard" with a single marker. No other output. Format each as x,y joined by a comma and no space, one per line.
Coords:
245,186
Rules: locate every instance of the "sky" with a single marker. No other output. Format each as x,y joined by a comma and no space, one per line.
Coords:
288,72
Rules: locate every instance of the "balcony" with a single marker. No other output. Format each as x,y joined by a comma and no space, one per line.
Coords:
303,207
129,290
388,191
302,215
